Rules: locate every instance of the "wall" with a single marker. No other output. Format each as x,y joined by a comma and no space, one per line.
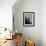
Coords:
33,33
43,22
6,13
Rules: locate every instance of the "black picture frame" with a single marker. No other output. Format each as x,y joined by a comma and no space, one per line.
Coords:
28,19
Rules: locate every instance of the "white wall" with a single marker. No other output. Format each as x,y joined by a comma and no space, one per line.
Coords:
6,13
43,22
33,33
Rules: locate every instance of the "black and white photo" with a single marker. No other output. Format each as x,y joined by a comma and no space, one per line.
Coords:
28,19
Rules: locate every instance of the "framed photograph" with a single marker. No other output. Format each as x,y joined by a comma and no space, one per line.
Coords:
28,19
13,22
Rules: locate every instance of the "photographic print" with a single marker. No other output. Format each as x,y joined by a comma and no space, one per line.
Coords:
13,22
28,19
